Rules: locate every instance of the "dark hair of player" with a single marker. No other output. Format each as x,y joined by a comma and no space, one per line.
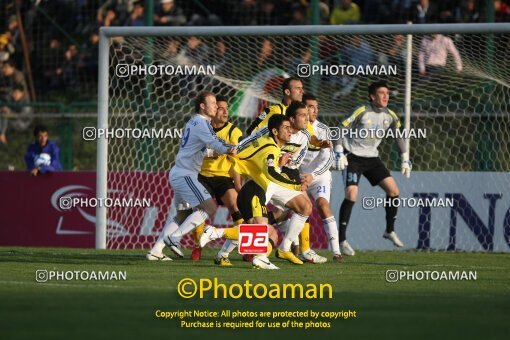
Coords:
286,84
308,96
201,99
372,89
39,128
221,98
275,122
293,107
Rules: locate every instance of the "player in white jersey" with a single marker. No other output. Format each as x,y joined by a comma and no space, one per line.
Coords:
317,163
297,147
189,194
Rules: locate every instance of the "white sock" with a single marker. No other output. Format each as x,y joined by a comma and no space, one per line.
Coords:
332,233
190,223
296,224
227,248
169,229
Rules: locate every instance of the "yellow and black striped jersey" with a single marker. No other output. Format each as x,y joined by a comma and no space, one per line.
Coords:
220,166
263,119
259,160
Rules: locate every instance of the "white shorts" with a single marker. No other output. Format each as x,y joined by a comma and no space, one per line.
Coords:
279,195
321,187
188,190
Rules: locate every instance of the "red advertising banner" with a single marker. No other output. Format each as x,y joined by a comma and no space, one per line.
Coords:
30,214
59,210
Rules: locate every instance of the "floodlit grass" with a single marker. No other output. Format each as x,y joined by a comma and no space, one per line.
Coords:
126,309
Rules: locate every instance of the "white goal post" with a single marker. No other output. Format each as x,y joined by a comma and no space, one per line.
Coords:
480,112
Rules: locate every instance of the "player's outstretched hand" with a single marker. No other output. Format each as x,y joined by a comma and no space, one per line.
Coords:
406,168
324,144
232,151
284,159
306,179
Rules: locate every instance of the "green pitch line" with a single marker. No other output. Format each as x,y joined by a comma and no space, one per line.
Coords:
126,309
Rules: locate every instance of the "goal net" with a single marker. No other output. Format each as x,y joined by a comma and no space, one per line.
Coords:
463,106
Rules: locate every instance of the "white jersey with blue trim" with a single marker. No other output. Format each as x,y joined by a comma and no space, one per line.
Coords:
298,146
197,136
318,160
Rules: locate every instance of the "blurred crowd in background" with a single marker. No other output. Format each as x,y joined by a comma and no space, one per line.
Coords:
62,35
49,50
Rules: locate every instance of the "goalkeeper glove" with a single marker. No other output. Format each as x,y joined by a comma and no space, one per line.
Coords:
406,165
340,161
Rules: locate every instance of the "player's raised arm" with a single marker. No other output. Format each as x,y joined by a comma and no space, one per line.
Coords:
257,121
209,137
275,176
327,157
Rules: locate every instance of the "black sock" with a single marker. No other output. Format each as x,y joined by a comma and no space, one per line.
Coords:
391,213
236,216
345,215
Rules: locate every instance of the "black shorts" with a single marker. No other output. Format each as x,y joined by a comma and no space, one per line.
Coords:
370,167
217,186
251,201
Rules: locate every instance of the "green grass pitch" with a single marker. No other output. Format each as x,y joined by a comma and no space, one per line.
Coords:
126,309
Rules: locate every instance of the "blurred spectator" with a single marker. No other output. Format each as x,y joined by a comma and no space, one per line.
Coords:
324,13
266,57
245,14
169,14
298,16
110,19
195,52
357,53
501,11
267,14
378,12
12,78
219,56
43,155
346,13
424,12
397,52
446,10
467,12
172,51
114,12
434,53
90,55
18,115
402,11
6,48
15,40
136,16
53,66
71,65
